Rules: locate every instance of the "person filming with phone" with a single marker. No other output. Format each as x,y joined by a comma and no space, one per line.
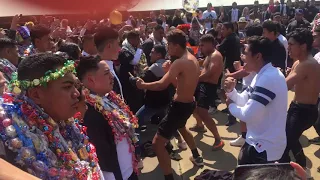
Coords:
262,106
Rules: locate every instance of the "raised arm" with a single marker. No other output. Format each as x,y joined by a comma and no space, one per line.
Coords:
255,107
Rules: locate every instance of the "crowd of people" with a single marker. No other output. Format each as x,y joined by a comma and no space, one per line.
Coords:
76,100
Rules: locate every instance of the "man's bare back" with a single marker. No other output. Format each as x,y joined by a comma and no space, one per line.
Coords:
187,79
212,68
305,78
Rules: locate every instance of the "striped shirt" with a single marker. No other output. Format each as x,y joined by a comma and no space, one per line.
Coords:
263,107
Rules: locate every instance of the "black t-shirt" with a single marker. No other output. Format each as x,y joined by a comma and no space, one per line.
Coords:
279,55
230,50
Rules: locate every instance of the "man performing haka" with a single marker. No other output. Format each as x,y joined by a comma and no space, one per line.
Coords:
184,73
207,88
304,78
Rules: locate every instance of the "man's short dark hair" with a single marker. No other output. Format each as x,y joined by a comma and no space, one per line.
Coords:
270,26
177,36
158,27
254,30
276,14
159,21
208,38
274,173
228,25
71,49
87,64
302,36
259,44
160,49
133,34
103,36
7,43
36,66
234,3
38,31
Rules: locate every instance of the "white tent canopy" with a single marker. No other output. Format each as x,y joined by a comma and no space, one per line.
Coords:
151,5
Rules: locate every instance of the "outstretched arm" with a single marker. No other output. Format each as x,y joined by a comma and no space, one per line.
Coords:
167,79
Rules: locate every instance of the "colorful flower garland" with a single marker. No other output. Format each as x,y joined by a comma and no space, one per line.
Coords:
46,149
119,117
17,85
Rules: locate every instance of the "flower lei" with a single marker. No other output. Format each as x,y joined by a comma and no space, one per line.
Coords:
119,117
17,85
46,149
7,68
30,50
142,64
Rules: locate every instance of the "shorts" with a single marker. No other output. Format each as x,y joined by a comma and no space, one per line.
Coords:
176,118
249,155
205,94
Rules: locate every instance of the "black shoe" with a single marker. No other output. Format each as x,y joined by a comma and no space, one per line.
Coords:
231,120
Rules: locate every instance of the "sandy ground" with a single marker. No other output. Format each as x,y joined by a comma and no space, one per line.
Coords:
225,159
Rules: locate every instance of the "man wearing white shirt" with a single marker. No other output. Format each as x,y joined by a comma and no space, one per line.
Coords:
234,13
262,106
208,16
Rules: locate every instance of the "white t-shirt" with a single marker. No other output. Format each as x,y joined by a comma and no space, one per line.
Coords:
209,15
124,159
317,57
234,15
284,42
263,107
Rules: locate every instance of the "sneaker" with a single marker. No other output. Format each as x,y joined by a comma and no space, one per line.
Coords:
175,156
198,161
200,129
217,147
239,142
212,110
315,141
183,146
140,164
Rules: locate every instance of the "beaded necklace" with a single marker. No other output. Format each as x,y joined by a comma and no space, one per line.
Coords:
48,150
119,117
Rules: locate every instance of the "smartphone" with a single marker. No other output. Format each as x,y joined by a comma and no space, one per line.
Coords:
242,169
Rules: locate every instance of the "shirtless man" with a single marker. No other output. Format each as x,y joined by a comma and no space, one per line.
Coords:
304,79
207,88
184,73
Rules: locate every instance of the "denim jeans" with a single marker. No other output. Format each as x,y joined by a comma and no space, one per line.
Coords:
145,113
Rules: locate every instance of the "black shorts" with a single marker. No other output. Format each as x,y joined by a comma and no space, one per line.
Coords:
249,155
205,94
176,118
